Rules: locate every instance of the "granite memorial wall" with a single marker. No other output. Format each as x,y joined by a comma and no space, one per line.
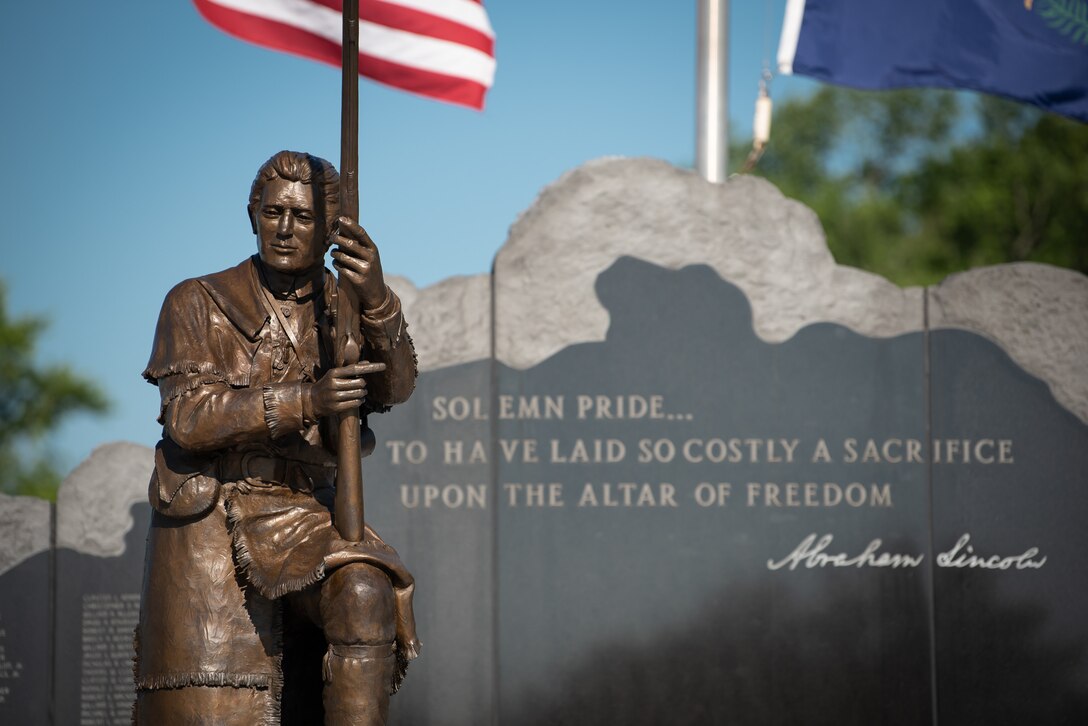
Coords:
669,463
70,593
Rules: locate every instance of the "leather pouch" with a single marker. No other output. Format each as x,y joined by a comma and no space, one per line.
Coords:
183,484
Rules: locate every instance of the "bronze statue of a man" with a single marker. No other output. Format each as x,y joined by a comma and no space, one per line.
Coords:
254,610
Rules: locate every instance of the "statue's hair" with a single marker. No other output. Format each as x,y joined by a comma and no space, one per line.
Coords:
297,166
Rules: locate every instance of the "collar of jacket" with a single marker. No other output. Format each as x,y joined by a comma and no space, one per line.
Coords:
236,291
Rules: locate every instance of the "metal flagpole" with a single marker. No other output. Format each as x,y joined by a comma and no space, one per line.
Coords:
349,514
712,112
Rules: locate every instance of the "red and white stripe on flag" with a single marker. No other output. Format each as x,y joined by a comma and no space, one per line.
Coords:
442,49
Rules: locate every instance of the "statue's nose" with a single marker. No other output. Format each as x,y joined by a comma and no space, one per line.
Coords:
287,224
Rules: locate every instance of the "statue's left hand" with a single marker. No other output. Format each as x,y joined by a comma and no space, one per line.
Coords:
355,257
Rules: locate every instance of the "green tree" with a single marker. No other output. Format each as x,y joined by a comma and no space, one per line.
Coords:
917,184
34,400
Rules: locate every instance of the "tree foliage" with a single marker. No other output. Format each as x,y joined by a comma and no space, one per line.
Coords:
916,184
34,400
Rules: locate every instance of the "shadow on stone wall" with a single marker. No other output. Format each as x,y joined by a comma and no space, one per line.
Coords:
1001,661
759,655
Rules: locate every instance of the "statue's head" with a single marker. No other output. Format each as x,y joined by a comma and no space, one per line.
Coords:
293,202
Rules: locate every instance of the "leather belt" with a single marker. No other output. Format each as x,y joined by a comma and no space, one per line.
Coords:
260,469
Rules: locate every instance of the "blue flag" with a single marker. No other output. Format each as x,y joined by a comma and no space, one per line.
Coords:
1035,51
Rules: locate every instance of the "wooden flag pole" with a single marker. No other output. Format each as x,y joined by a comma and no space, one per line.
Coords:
349,512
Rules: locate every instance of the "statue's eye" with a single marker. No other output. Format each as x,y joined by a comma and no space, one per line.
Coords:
272,211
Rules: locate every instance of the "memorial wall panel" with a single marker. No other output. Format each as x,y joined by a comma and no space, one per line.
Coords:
686,509
26,638
429,494
1009,468
102,521
98,606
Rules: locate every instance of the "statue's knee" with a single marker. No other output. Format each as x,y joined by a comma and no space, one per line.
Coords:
357,606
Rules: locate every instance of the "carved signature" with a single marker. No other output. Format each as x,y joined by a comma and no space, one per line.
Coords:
963,555
812,552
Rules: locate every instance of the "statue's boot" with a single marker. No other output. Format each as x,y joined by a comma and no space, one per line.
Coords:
357,684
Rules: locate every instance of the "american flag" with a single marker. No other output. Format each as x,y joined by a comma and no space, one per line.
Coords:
441,49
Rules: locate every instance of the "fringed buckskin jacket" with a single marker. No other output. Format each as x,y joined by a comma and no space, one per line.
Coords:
244,479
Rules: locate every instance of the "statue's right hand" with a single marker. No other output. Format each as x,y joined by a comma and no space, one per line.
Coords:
341,389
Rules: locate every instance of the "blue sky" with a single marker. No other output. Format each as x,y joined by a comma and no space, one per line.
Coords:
133,129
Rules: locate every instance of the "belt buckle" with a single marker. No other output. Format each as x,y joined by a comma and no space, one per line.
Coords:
250,479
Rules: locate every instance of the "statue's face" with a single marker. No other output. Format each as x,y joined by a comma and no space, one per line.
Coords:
290,231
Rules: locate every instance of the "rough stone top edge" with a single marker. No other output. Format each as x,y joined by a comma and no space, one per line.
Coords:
818,290
25,524
1036,313
401,284
769,246
449,320
94,502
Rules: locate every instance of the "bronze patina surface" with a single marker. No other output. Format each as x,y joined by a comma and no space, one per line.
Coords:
255,609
